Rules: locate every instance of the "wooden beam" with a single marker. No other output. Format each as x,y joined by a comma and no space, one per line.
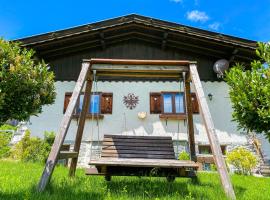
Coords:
211,133
59,140
67,154
137,62
189,111
79,134
161,69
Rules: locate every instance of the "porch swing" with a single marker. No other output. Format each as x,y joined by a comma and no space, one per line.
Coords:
120,154
126,155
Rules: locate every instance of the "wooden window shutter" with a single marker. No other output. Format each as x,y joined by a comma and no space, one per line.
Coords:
66,101
155,103
195,105
106,103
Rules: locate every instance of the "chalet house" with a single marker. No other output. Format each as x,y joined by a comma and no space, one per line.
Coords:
140,106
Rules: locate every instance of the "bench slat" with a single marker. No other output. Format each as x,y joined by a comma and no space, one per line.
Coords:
138,137
146,156
115,140
137,144
129,147
143,162
137,151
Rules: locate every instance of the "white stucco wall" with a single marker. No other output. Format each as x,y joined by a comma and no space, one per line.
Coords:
220,109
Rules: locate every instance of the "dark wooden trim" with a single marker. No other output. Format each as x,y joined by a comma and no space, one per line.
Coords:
190,124
89,116
79,134
173,116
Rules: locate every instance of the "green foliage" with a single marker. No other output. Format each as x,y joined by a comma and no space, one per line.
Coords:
25,84
242,159
33,149
183,156
250,92
213,167
49,137
5,138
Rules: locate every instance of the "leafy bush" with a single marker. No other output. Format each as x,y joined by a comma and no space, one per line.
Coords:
183,156
25,84
250,92
5,138
213,167
49,137
33,149
242,159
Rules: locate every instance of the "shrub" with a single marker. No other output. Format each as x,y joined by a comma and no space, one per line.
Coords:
5,138
213,167
49,137
25,83
249,89
33,149
183,156
242,159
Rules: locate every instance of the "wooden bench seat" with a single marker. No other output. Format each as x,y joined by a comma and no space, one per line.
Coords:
141,156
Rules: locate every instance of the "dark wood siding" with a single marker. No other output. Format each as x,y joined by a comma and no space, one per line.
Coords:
68,67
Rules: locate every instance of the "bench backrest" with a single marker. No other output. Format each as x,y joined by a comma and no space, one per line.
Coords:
147,147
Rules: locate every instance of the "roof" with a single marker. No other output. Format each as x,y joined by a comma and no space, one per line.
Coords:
145,28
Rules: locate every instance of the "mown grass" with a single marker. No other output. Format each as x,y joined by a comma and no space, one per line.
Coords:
18,181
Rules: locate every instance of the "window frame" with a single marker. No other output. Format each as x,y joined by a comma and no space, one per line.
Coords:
89,115
173,114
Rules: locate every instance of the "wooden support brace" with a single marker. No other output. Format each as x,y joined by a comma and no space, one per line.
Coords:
211,133
78,140
190,118
59,139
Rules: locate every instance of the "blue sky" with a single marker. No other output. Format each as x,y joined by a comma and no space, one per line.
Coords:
243,18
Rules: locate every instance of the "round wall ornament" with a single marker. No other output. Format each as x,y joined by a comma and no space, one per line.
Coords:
131,101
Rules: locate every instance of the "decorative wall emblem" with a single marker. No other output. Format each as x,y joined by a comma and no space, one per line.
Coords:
131,101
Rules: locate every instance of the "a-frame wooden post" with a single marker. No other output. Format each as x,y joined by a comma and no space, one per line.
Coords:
189,112
78,139
211,133
60,137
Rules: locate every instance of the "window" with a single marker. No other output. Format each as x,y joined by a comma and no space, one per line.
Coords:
100,103
171,104
206,149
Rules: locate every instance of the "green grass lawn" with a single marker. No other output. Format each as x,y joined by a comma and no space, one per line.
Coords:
18,181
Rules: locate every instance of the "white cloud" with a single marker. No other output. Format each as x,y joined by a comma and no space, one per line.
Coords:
214,26
177,1
197,16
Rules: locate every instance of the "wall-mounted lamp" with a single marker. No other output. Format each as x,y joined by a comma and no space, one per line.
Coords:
210,96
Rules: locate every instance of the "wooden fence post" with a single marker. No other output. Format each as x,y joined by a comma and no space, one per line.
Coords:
189,112
59,139
211,133
80,129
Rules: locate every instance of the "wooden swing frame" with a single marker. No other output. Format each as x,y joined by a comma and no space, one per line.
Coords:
136,69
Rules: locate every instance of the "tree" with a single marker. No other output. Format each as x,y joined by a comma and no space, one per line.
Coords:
25,84
250,92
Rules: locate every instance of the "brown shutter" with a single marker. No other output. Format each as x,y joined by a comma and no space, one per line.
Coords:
195,105
66,101
155,103
106,103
